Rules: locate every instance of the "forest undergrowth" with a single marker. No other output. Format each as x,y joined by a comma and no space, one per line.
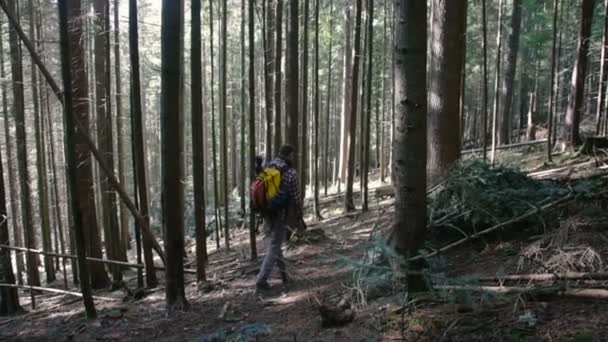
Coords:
539,276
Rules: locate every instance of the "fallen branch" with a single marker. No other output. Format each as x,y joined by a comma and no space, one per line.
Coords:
494,228
543,292
545,173
49,289
506,147
549,277
69,256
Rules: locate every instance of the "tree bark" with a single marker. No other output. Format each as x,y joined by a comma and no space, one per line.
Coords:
484,131
366,119
304,167
171,131
292,79
447,53
409,167
352,127
71,14
224,122
347,93
506,93
601,96
316,208
497,70
570,134
138,143
252,174
17,230
278,55
268,41
552,90
22,163
213,134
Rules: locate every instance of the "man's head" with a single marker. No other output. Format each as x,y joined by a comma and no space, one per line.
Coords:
286,152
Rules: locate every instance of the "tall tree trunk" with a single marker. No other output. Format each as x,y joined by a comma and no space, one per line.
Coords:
243,107
22,163
268,41
484,131
506,94
213,134
251,24
9,297
328,99
570,135
447,53
410,132
171,131
601,94
120,123
17,230
278,55
198,162
292,78
347,93
138,143
366,118
316,208
497,70
224,123
304,101
352,129
552,90
69,12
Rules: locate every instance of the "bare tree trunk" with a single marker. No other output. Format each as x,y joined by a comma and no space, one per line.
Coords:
497,82
17,230
570,134
22,164
138,143
601,95
268,42
304,101
366,122
292,79
251,24
213,135
278,54
171,131
552,90
506,93
224,123
243,104
71,110
410,133
484,131
347,93
316,208
447,52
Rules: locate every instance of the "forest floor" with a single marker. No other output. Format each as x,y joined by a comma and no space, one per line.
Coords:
227,308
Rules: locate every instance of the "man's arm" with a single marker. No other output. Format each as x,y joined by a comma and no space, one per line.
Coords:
294,192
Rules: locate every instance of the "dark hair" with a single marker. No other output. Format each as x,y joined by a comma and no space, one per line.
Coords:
286,150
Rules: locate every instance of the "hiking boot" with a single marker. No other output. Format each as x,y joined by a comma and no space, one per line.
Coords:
262,286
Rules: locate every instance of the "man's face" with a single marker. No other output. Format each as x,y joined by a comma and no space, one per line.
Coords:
289,158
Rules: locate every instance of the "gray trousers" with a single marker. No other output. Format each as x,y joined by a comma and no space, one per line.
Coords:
275,252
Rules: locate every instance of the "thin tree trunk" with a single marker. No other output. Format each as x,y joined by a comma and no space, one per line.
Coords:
138,143
497,76
574,113
71,109
243,112
216,209
347,93
410,133
278,54
22,164
304,100
292,79
552,90
506,93
316,208
328,98
251,24
268,42
171,131
484,131
352,128
601,96
366,138
224,123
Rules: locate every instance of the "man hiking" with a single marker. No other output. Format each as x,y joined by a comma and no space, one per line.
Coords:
276,217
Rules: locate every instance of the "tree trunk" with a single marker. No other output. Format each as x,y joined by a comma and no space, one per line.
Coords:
171,131
17,230
497,70
268,41
138,143
9,298
484,131
447,53
552,90
292,79
352,127
278,55
570,134
506,94
409,167
224,123
213,135
601,94
347,93
367,117
243,107
71,15
328,100
304,101
120,123
198,162
22,163
316,208
252,174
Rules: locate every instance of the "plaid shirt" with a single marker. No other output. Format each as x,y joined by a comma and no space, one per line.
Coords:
289,184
